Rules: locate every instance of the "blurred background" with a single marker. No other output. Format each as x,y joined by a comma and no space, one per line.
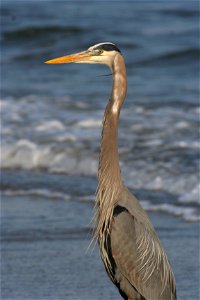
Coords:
51,127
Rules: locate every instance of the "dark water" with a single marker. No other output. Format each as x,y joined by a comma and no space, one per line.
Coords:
45,249
51,124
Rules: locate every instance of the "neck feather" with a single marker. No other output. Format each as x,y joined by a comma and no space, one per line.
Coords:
109,174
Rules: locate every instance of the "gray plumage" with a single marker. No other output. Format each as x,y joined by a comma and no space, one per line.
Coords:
130,249
142,270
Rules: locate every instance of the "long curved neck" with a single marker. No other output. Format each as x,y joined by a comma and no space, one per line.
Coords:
109,174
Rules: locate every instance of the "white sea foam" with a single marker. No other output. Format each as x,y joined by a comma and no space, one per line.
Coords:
65,137
197,110
28,155
71,159
88,198
74,165
187,213
150,177
89,123
50,125
154,142
44,193
185,144
192,196
39,135
3,104
182,125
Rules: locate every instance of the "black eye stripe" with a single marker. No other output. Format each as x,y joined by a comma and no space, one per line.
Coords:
108,47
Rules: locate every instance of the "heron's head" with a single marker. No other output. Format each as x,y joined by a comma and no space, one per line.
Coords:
103,53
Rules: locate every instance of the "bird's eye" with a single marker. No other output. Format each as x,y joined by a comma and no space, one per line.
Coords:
100,51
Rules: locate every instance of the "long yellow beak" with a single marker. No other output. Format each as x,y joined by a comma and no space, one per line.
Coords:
72,58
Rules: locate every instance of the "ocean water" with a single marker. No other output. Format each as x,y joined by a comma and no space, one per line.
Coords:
52,118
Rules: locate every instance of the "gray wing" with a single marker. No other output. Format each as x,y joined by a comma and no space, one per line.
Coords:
141,263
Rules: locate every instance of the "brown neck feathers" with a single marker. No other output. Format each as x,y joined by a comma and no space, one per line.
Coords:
109,160
109,175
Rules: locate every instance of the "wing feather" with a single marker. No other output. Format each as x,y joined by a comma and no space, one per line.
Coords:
141,259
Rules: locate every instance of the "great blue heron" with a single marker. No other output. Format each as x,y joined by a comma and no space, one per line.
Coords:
130,249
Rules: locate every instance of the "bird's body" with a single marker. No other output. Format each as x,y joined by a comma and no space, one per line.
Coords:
130,249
